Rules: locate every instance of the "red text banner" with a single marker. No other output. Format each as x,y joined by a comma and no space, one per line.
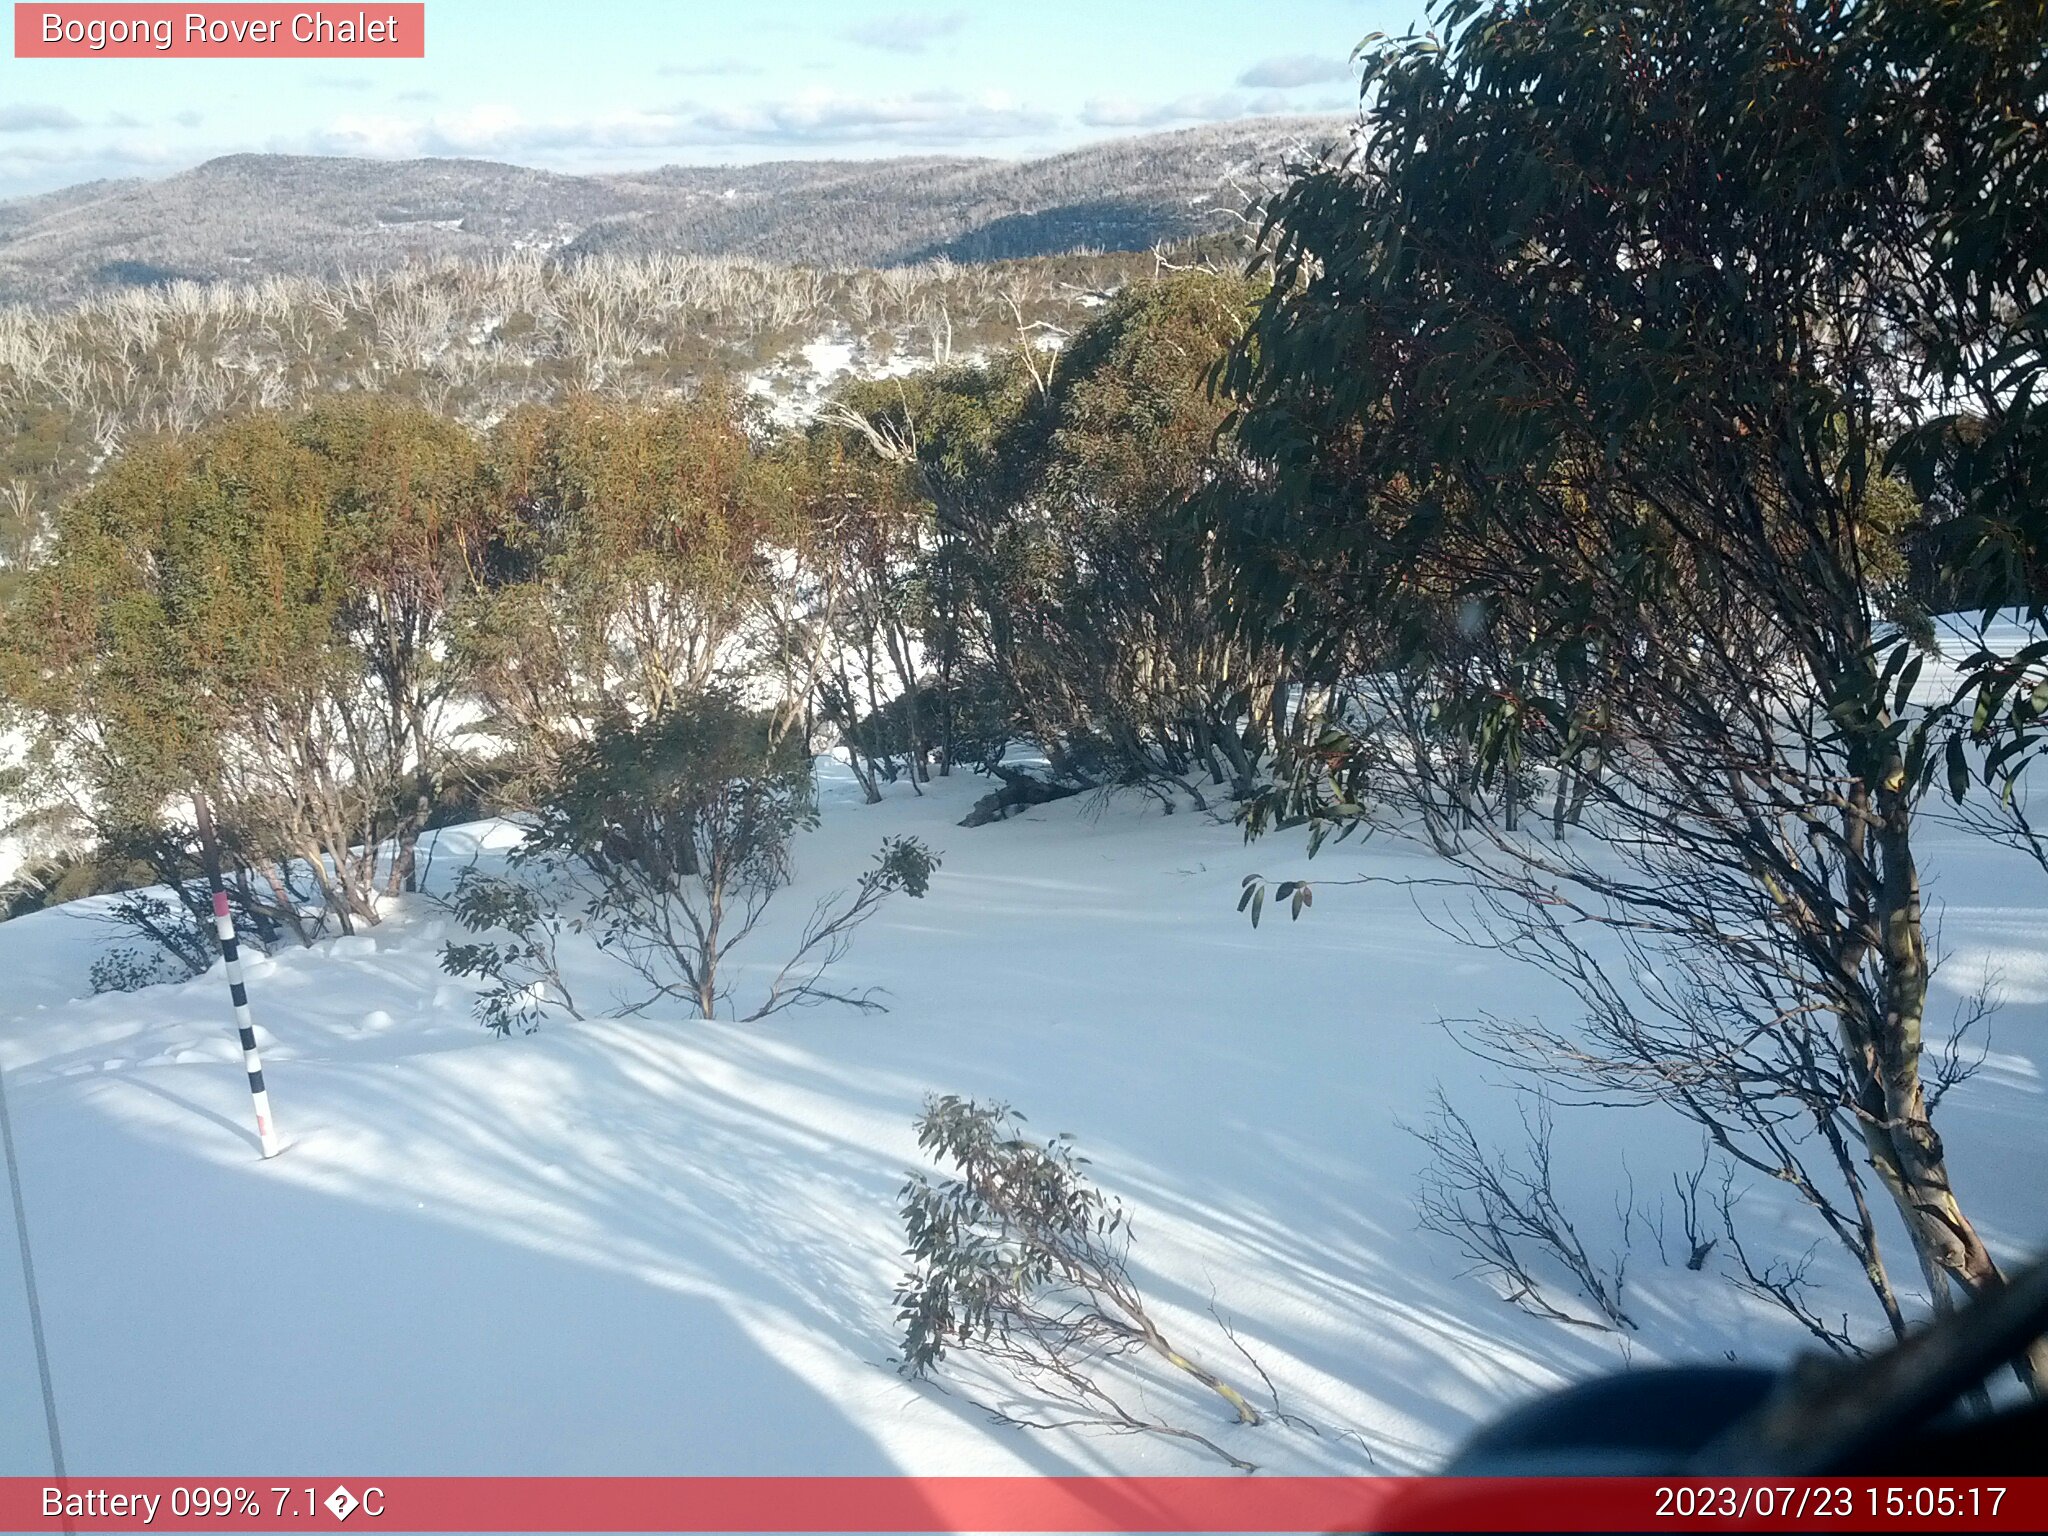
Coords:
1063,1504
233,31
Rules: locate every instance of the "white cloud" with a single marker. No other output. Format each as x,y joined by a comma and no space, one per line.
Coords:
1295,69
920,119
29,167
906,31
1295,104
483,130
129,153
1118,112
29,117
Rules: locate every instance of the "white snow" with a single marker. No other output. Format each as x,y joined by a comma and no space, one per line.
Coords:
15,850
667,1246
828,359
797,384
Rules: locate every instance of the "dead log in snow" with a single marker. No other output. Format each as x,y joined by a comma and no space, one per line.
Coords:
1019,791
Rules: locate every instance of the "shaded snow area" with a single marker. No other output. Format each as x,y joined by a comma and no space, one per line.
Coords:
661,1245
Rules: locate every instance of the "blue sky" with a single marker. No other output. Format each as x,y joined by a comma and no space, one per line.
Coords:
617,84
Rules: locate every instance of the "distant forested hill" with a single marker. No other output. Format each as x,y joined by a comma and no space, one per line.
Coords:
249,216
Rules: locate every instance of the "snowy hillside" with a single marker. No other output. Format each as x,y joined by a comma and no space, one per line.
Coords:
660,1246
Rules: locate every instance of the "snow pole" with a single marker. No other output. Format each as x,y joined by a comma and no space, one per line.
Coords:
231,951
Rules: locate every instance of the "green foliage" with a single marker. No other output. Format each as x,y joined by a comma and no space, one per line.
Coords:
188,582
973,709
1067,559
67,876
1018,1261
258,611
1298,895
683,824
1614,397
184,943
523,971
1098,600
128,969
710,789
681,828
904,864
1019,1220
629,548
1625,309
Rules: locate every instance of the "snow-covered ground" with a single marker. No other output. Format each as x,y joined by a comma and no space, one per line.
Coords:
796,385
668,1246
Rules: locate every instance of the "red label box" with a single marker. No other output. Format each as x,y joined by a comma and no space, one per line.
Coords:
236,31
1222,1503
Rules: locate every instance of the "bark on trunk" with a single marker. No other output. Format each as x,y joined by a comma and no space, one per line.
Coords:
1904,1147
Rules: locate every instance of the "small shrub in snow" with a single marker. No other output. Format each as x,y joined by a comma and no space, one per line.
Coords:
177,945
524,972
1505,1217
1019,1262
128,969
902,864
682,825
969,722
181,943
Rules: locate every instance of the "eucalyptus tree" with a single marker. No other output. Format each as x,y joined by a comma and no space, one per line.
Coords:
1618,338
945,432
258,613
1130,657
630,548
1066,554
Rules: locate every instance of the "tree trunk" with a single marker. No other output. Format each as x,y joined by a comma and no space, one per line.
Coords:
1019,790
1583,780
1240,764
1904,1147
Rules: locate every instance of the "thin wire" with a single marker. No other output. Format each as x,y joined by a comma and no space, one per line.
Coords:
28,1281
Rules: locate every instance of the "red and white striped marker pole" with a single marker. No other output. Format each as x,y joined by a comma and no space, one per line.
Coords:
224,927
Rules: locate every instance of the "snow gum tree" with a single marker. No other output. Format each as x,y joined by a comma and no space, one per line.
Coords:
630,555
1617,343
682,827
1068,563
257,612
859,644
1128,653
929,450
